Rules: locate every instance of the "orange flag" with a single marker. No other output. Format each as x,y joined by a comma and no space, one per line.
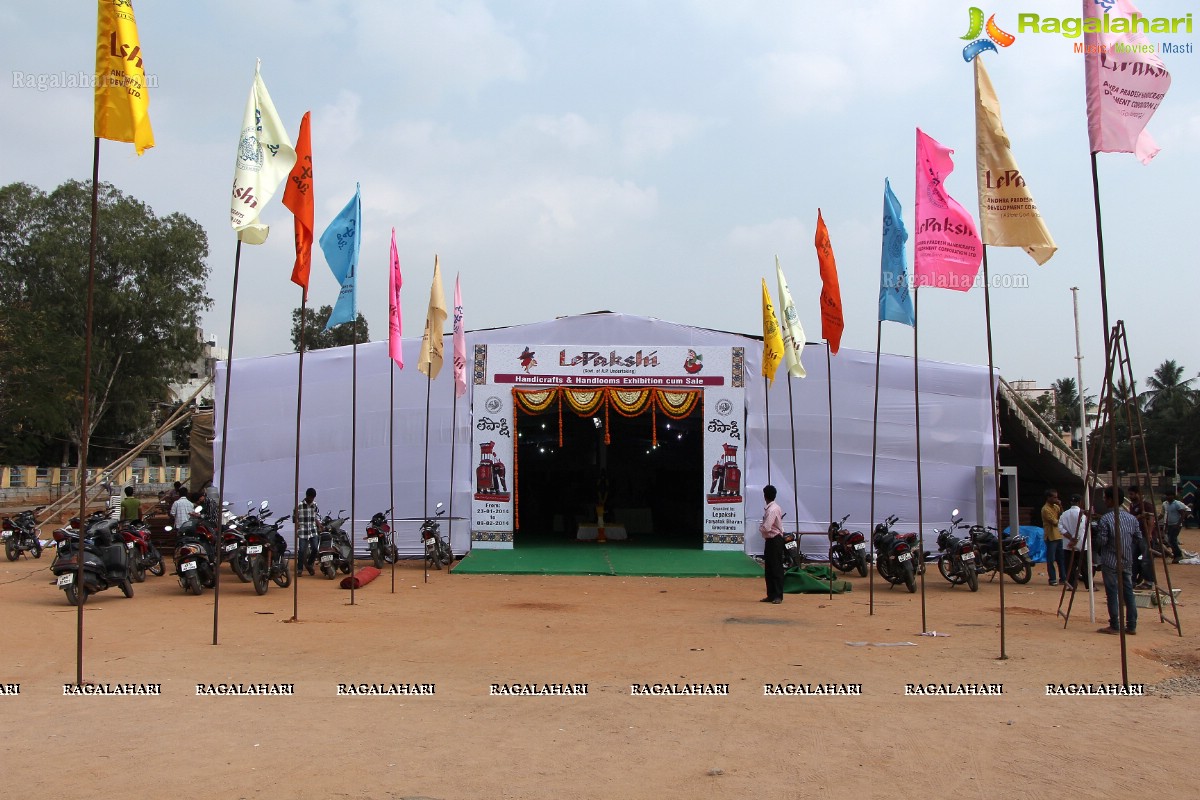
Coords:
298,198
831,293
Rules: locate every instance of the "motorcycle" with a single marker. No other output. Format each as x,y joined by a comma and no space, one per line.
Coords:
233,538
267,554
437,550
792,557
957,561
143,554
21,534
195,554
105,559
1017,564
333,546
379,540
897,555
849,548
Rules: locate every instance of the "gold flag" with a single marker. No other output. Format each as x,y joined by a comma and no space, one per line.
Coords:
772,338
1008,216
122,97
429,362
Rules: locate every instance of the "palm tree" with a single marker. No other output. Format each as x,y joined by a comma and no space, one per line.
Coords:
1168,392
1068,403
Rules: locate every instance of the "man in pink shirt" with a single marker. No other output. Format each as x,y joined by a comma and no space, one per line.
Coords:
771,529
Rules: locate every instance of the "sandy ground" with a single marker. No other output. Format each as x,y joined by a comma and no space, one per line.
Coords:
464,633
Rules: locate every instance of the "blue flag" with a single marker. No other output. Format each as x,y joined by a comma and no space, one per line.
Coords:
895,302
339,242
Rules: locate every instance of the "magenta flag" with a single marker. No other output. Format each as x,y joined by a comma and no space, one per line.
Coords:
460,343
1125,78
394,284
947,250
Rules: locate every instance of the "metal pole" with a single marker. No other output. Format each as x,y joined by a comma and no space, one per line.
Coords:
829,385
392,466
767,420
795,488
1083,443
428,389
353,444
987,313
237,263
874,452
917,415
296,484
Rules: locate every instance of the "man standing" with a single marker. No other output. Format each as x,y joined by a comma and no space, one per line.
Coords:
181,509
771,529
1143,555
1174,513
131,507
1071,524
1118,528
1051,511
307,515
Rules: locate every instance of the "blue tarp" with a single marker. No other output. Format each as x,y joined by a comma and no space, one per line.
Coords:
1037,544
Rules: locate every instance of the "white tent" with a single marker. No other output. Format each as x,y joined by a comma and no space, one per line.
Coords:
955,421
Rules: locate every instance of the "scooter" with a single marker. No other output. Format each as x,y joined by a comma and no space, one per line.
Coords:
195,554
379,540
437,550
957,561
897,556
849,549
333,546
21,535
105,559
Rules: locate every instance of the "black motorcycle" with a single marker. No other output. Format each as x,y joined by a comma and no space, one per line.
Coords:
266,550
1017,564
957,560
437,550
20,534
334,551
848,548
379,540
195,554
897,555
105,559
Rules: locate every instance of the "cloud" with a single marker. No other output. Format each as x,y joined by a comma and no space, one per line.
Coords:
654,133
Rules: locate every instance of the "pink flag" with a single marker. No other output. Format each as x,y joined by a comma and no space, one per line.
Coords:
947,250
1126,80
460,343
394,284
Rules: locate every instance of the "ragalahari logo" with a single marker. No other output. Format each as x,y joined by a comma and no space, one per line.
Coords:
995,36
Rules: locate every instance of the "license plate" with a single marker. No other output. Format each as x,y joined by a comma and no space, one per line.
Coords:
968,556
6,534
904,556
187,566
860,546
1024,551
129,545
372,539
790,545
66,579
326,558
230,547
254,548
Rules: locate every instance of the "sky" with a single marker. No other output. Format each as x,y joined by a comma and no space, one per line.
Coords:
649,157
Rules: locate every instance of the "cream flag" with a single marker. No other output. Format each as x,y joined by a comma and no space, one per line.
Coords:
1008,217
789,321
265,156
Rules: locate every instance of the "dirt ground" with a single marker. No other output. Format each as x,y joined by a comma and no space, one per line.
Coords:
465,633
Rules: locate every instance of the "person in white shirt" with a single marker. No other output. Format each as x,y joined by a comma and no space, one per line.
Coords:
1174,514
1072,524
180,510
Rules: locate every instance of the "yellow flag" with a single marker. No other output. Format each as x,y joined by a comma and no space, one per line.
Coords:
1008,216
429,362
772,338
122,98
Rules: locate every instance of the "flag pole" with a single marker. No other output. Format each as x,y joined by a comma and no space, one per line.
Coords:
392,466
829,384
1087,474
453,436
296,483
917,415
795,488
425,512
987,316
874,452
237,263
353,443
85,421
767,411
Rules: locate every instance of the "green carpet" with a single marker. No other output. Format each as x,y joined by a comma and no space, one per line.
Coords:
584,558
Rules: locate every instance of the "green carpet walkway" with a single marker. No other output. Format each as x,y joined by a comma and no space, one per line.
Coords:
584,558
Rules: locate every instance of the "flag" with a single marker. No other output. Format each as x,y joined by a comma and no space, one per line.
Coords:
264,158
793,332
831,294
1008,216
121,96
895,301
1125,79
340,243
430,361
772,340
947,250
298,197
394,283
460,343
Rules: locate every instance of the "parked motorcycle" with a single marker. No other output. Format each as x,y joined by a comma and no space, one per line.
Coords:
957,561
267,554
792,557
20,534
379,540
195,554
333,546
144,556
897,555
849,548
106,560
437,550
1017,563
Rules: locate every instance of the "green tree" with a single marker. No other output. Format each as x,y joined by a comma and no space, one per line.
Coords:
1067,405
315,335
1169,402
149,292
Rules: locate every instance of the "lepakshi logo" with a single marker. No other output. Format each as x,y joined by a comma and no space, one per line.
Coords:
995,35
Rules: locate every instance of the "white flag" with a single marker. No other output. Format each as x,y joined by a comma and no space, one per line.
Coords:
265,156
793,332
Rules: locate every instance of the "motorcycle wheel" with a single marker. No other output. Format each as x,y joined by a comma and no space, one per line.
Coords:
392,554
345,567
137,571
158,567
910,577
377,556
37,548
327,569
258,576
283,575
1021,574
861,559
447,555
10,549
127,587
75,598
239,567
972,579
947,570
192,584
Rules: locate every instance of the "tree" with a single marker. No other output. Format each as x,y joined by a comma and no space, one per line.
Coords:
1168,390
149,293
1067,405
315,335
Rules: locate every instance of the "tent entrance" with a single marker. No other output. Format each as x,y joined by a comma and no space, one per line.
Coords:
644,466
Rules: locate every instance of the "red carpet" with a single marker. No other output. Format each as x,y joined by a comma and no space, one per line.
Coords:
360,578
